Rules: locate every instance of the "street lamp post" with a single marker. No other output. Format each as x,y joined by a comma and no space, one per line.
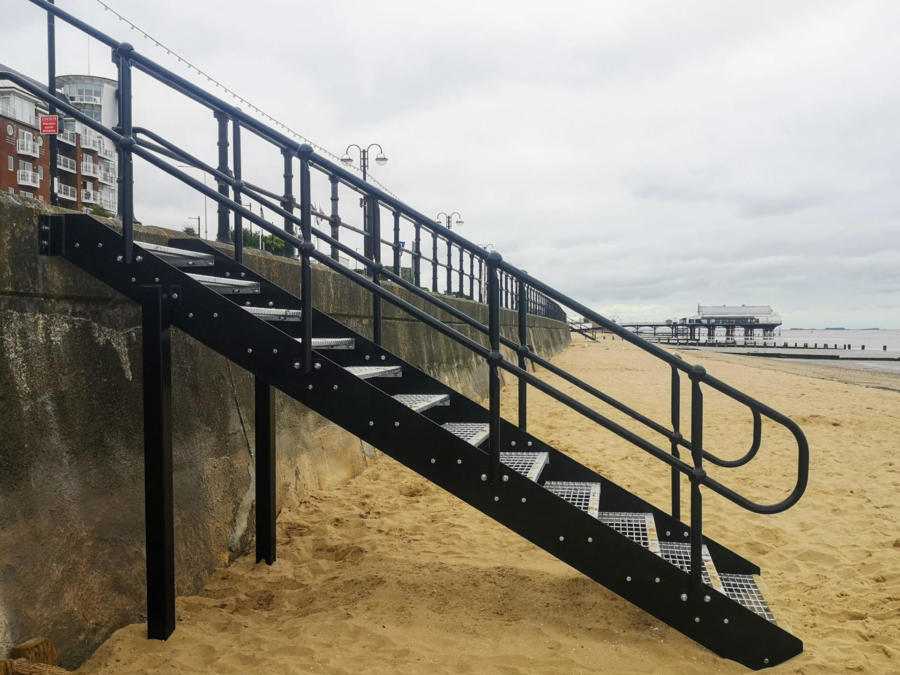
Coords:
380,160
448,221
203,173
197,218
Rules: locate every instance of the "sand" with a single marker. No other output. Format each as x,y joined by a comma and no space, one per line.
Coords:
388,574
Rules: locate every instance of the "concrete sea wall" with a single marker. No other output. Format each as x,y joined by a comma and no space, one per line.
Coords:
71,445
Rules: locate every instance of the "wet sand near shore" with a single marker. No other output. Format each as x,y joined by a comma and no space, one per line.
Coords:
389,574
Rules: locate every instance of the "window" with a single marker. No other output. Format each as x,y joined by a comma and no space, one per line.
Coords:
11,163
24,166
40,173
12,191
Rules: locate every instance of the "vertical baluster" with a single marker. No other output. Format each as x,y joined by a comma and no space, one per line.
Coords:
335,218
374,212
523,348
449,289
461,288
676,428
238,220
480,279
223,235
493,262
471,276
697,373
434,264
417,256
306,291
287,200
126,167
397,242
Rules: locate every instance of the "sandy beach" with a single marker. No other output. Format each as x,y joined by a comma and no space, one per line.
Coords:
388,574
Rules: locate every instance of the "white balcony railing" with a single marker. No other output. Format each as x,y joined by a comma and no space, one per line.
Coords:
26,147
90,197
67,192
107,177
66,164
90,169
82,98
107,153
28,178
67,137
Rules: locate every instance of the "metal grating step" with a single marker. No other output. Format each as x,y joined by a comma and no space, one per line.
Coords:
274,313
679,554
475,433
226,285
422,402
529,464
639,527
743,588
586,496
178,257
331,343
368,372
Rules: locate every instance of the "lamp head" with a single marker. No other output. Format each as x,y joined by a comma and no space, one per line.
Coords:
347,159
380,159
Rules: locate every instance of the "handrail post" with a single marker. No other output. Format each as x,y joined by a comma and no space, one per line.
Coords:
449,289
122,55
471,276
434,265
335,218
523,347
417,256
697,475
51,108
493,262
480,280
223,235
461,272
676,429
237,186
374,213
307,247
397,243
287,200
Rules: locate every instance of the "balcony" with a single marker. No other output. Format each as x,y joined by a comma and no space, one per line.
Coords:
107,153
67,137
83,98
107,177
26,147
66,164
90,169
90,197
67,192
29,178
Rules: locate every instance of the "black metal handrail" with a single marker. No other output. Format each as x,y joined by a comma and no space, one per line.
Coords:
506,284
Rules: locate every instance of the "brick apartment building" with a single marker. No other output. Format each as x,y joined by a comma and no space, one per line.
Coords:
86,162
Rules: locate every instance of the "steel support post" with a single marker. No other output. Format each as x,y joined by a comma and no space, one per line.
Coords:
493,261
265,472
122,57
434,265
306,248
449,289
676,429
236,161
461,272
417,256
471,276
523,346
158,525
375,218
287,200
397,243
223,235
335,218
697,475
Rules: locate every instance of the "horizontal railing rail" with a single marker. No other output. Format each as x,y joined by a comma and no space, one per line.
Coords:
504,284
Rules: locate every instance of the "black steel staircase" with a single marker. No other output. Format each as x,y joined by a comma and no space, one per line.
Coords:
645,554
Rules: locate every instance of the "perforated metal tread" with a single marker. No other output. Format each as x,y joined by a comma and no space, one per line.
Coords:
422,402
679,554
743,588
179,257
227,285
475,433
331,343
639,527
367,372
529,464
275,313
586,496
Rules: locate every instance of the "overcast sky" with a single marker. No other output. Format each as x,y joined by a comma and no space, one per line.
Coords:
641,157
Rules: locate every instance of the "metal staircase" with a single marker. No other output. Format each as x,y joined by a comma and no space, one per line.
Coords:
636,549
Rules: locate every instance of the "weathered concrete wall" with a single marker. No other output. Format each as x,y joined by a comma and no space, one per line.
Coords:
71,448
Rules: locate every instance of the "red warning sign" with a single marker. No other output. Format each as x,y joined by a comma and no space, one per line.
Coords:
49,124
